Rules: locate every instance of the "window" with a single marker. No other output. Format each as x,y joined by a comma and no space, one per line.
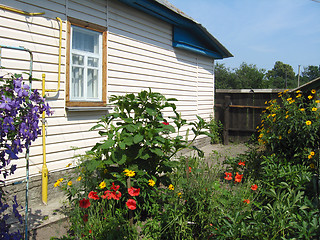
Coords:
86,84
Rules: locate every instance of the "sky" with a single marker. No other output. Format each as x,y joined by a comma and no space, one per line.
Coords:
261,32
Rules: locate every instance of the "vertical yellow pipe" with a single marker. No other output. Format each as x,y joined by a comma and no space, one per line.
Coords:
44,166
44,90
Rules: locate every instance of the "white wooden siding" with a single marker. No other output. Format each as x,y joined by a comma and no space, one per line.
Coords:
140,55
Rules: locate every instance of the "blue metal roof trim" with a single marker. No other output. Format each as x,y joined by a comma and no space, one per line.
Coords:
187,34
183,38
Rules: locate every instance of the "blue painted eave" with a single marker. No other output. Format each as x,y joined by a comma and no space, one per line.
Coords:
187,34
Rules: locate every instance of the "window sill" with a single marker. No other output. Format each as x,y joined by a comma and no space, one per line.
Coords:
87,109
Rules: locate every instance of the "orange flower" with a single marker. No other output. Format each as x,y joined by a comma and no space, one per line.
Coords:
238,177
228,176
242,163
254,187
246,201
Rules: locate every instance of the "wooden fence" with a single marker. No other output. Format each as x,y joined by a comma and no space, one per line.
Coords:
239,111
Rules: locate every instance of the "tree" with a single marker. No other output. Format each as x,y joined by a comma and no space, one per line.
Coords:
250,76
281,76
309,73
225,78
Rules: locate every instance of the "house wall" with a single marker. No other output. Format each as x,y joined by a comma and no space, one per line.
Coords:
139,55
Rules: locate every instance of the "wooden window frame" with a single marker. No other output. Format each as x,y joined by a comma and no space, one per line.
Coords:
97,28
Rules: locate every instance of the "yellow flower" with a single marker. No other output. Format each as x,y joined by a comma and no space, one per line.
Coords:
308,122
301,109
287,116
78,179
317,101
280,137
314,109
298,91
273,115
171,187
310,156
289,131
299,95
57,184
151,183
285,90
313,91
129,173
69,165
312,165
312,153
289,99
310,97
179,194
70,183
102,185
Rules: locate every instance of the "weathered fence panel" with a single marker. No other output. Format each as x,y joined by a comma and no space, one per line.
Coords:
239,111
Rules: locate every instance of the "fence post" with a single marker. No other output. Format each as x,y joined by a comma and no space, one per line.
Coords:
226,109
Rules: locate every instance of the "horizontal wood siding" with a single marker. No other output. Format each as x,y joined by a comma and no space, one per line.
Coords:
140,56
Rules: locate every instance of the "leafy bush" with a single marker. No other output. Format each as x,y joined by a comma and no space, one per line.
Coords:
139,151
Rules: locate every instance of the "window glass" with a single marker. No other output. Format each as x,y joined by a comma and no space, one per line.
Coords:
87,40
86,65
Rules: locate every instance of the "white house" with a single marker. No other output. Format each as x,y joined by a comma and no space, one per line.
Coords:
108,47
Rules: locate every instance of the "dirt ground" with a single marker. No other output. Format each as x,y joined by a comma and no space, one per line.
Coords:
59,227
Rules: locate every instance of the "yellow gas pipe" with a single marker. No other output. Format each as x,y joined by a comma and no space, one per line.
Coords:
44,165
19,11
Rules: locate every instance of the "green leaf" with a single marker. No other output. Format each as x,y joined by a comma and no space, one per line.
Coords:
131,127
95,127
92,165
157,151
107,144
137,138
122,145
151,111
128,140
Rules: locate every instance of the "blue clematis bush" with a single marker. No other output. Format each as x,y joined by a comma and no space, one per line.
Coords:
20,112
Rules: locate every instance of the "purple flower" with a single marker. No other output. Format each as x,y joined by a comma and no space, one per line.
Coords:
5,103
11,154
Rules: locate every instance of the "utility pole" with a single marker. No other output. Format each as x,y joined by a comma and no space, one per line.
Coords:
299,76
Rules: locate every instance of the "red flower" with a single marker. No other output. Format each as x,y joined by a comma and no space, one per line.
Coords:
134,191
115,188
84,203
228,176
90,231
254,187
131,204
190,169
238,177
165,123
93,195
246,201
242,163
111,195
85,218
116,195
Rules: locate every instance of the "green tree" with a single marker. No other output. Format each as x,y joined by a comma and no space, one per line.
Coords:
309,73
225,78
281,76
250,76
